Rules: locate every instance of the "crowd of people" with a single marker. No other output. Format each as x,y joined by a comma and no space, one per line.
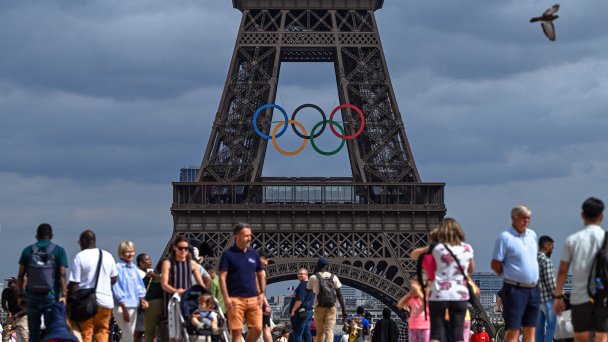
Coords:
98,288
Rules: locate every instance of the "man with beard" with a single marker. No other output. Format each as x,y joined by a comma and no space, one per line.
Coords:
546,281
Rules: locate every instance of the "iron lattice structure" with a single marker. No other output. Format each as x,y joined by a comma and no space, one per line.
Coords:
365,225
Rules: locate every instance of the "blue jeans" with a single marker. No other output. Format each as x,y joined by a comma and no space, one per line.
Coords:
37,304
301,330
546,322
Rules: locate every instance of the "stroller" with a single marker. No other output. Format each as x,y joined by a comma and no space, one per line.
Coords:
179,311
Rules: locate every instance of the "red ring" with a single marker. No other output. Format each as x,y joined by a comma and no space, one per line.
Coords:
357,133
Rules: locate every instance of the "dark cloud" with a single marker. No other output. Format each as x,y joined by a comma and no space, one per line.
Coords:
102,102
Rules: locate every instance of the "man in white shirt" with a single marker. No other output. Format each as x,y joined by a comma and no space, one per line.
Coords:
325,314
83,274
579,251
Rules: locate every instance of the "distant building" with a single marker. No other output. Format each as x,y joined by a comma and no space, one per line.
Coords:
188,173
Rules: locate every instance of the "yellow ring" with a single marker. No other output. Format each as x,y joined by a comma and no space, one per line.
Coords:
274,140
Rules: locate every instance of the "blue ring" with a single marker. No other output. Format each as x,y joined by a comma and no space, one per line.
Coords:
257,113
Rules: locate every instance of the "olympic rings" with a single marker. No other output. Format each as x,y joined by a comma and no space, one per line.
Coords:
257,113
308,105
357,133
312,135
312,140
288,153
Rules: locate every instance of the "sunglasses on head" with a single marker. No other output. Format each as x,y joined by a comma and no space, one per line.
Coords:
182,248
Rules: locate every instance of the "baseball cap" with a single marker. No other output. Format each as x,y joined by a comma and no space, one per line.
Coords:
322,261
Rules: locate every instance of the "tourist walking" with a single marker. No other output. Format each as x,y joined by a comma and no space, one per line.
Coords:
44,263
215,288
326,287
579,252
404,331
243,285
514,258
83,275
419,319
129,291
386,329
266,310
480,334
194,249
155,298
546,282
300,309
16,317
454,261
176,278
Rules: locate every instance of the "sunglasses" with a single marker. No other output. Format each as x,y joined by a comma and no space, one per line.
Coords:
183,249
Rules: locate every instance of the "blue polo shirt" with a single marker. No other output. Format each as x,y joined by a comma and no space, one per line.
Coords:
301,294
517,253
241,268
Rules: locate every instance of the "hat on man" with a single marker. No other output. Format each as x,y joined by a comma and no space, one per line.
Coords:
322,261
11,280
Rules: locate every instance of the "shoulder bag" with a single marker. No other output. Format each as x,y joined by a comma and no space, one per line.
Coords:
471,286
82,304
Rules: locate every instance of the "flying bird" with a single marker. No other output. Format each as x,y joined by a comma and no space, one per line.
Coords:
546,21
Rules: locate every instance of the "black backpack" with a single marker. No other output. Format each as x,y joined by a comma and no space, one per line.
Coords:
41,269
598,275
420,271
327,291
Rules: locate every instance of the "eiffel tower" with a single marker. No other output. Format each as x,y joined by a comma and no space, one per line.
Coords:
367,224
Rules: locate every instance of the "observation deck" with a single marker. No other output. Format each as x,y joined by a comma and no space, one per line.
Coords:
308,4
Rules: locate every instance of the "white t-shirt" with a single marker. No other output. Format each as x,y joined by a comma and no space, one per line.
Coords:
449,283
579,250
313,283
83,273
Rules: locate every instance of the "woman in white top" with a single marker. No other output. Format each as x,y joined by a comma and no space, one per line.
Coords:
449,288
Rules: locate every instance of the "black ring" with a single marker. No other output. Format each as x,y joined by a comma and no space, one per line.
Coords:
308,105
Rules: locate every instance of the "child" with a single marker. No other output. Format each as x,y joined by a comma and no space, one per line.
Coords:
204,318
284,336
419,322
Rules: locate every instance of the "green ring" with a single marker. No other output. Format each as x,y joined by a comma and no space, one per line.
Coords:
312,139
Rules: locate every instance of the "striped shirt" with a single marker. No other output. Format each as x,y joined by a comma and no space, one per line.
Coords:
546,277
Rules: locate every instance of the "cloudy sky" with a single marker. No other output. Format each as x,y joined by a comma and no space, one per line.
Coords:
102,102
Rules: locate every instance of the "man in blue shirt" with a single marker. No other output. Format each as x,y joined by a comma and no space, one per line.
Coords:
35,300
301,299
514,257
243,285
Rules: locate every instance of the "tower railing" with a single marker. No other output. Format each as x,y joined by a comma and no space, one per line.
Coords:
309,194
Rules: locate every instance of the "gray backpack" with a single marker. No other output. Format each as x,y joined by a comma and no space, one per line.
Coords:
41,269
327,291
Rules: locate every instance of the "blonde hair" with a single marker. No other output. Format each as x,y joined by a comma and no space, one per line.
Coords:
123,246
206,301
520,210
450,232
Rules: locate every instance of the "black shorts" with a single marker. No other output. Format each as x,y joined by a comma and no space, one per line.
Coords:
589,317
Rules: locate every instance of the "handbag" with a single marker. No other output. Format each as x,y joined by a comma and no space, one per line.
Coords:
82,303
474,291
564,328
302,313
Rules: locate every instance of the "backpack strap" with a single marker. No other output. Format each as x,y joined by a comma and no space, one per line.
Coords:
592,270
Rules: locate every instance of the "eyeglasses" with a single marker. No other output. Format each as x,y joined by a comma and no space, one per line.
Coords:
300,273
183,249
